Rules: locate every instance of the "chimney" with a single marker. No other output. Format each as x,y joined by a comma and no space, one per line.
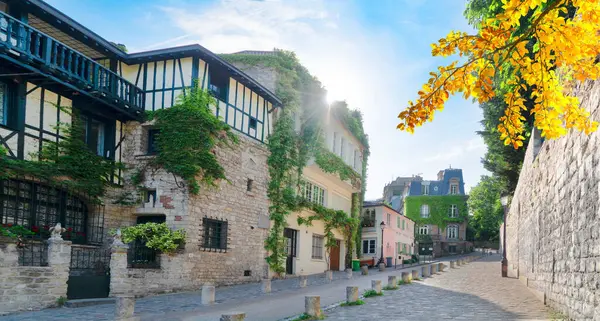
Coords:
440,176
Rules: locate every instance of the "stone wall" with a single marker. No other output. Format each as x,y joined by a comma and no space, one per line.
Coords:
246,213
553,225
33,287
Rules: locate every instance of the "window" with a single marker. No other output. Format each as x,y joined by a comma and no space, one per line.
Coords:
152,145
3,103
424,229
252,123
402,224
313,193
335,140
215,235
343,148
150,197
249,185
454,189
398,221
368,246
425,189
218,82
94,133
317,247
452,232
368,218
424,211
404,249
453,211
356,161
389,220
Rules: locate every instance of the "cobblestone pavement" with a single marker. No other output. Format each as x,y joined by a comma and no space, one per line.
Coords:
149,307
472,292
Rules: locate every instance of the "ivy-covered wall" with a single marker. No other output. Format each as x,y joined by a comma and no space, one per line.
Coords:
439,209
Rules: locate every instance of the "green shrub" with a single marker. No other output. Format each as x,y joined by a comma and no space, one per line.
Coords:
388,288
357,302
157,236
407,261
304,317
14,231
402,282
370,293
61,301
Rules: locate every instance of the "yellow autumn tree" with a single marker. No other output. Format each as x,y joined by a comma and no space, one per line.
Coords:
559,47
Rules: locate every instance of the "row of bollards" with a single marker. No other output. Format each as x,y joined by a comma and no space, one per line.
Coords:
312,303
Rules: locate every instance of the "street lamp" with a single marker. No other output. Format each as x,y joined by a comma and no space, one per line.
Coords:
382,225
504,202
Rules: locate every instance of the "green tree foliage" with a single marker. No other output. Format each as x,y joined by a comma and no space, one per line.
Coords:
484,204
504,162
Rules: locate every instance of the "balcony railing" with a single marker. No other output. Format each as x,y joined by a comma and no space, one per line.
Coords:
50,55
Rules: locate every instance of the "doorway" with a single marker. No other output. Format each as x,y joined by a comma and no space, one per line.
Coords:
291,240
334,257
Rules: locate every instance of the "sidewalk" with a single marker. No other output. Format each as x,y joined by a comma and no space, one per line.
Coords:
286,299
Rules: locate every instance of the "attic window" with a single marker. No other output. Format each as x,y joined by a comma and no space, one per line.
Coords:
218,83
252,123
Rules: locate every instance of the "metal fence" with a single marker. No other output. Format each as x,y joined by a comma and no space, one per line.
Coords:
141,257
32,252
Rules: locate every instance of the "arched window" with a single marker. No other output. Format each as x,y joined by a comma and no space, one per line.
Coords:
425,211
424,229
452,232
39,207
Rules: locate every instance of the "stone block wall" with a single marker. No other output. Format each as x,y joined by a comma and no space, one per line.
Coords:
33,287
553,225
246,213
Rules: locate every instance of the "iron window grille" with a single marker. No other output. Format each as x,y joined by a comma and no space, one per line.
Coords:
33,252
317,247
152,146
141,257
214,235
90,259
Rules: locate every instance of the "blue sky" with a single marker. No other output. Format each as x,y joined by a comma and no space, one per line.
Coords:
374,54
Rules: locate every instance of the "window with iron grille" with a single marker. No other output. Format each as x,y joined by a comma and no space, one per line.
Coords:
215,235
317,247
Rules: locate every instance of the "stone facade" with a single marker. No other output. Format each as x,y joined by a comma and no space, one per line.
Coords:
553,225
244,209
33,287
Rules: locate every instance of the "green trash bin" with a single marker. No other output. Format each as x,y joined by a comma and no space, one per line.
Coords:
355,265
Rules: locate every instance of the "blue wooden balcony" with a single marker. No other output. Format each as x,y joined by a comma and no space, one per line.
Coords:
31,47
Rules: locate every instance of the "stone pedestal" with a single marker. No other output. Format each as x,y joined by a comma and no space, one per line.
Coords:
376,285
312,306
124,308
381,267
364,270
329,275
441,267
233,316
392,281
208,295
351,294
303,281
406,277
348,274
433,269
452,264
415,274
425,272
266,286
120,284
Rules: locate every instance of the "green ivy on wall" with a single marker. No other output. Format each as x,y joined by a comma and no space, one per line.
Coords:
439,209
304,100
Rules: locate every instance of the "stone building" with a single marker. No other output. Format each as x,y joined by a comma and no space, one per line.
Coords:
553,224
306,244
439,210
55,62
394,192
398,233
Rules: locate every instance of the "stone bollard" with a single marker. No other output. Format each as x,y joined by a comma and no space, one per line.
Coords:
312,306
351,294
124,308
441,267
392,281
452,263
329,275
208,295
303,281
266,285
457,263
348,274
233,316
381,267
415,274
406,277
376,285
433,269
426,271
364,270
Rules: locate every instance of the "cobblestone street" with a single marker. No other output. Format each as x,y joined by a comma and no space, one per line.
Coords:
472,292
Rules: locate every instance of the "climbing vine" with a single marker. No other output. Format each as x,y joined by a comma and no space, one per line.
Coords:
157,236
187,137
304,102
68,163
439,209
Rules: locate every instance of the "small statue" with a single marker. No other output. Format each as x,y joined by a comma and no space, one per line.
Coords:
117,238
56,231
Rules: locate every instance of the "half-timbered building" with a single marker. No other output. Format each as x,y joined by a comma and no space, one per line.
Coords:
49,62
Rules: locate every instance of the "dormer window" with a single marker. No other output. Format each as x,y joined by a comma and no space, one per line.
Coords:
425,189
453,189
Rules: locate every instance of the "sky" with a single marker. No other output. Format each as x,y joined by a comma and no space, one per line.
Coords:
375,55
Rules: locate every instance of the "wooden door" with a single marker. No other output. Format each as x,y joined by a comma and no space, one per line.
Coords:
334,257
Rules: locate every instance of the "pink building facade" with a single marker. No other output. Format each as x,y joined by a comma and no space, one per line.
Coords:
398,233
